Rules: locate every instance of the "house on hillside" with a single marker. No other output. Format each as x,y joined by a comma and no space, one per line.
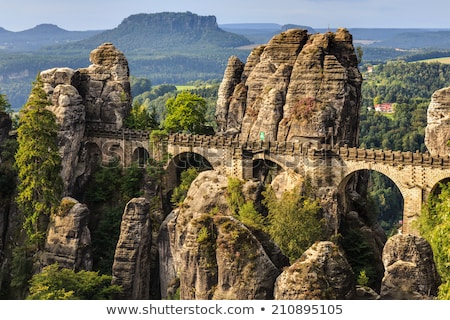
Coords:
384,107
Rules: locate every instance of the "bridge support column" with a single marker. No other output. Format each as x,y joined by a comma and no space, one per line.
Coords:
242,165
413,199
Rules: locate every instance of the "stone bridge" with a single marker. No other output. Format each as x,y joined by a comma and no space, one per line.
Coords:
415,174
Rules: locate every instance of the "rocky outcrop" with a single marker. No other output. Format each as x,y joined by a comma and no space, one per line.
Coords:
99,94
131,267
410,272
437,132
67,105
322,272
68,240
297,87
210,254
105,86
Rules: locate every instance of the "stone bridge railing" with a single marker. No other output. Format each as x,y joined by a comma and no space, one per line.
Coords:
391,157
109,131
277,147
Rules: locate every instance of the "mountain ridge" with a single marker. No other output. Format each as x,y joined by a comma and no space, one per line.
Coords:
42,35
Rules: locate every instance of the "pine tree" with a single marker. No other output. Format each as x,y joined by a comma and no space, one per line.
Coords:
38,162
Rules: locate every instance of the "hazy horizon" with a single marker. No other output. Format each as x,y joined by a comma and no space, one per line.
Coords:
82,15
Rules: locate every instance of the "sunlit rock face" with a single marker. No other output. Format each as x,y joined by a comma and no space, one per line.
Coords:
99,94
437,132
296,87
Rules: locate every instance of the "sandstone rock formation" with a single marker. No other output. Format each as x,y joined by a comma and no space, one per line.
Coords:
297,87
321,273
210,254
67,105
437,133
68,240
131,268
410,272
105,86
99,94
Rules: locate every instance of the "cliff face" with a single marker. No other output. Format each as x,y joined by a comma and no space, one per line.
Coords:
98,94
437,132
295,88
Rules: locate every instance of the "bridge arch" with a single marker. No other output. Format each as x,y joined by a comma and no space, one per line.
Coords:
264,167
180,163
396,214
413,195
140,156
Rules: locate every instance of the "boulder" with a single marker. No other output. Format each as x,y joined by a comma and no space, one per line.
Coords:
410,271
321,273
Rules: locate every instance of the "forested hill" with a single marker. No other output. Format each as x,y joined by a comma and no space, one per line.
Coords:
164,32
40,36
166,47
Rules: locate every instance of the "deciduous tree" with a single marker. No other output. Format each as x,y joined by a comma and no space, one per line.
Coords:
185,112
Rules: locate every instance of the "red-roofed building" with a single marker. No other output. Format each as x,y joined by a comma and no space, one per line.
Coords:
384,107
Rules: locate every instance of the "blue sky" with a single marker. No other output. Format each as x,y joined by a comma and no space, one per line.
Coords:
17,15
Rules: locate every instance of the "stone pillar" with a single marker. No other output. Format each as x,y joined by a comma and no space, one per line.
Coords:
242,166
413,199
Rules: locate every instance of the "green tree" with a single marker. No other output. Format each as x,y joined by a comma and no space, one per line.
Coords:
434,226
295,221
139,85
243,210
185,112
4,104
55,283
38,162
180,192
140,118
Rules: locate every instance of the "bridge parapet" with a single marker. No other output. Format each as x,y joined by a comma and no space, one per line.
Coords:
230,142
191,140
390,156
111,133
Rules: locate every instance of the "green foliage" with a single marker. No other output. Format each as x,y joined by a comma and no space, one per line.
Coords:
243,210
387,200
408,85
434,226
235,198
38,162
359,253
54,283
180,192
249,216
203,235
8,172
108,191
185,112
140,118
363,280
4,104
139,85
295,221
21,271
105,183
131,182
157,98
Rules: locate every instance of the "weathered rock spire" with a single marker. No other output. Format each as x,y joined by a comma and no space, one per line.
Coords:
298,86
